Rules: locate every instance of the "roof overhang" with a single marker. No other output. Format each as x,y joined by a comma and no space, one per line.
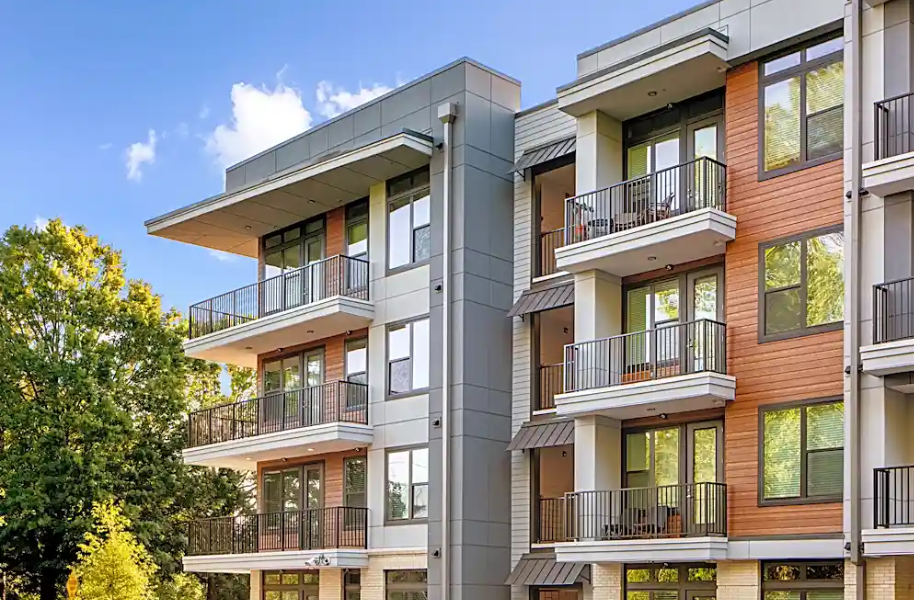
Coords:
233,222
669,73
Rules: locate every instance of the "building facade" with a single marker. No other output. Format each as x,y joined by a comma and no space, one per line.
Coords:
651,340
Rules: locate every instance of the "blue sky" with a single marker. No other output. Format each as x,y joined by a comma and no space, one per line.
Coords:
85,82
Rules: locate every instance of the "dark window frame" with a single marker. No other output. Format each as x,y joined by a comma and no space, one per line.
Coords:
682,585
800,71
302,492
711,421
347,492
803,498
410,520
412,590
416,192
302,367
804,330
803,584
350,342
352,584
413,391
299,241
301,586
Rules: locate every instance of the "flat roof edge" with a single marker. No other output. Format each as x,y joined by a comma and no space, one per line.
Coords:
536,108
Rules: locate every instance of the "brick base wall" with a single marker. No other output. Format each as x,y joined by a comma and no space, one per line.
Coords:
373,576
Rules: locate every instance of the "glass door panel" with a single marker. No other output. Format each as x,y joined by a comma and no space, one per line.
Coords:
292,280
707,180
666,177
291,397
705,302
272,290
315,285
313,393
705,466
663,343
314,500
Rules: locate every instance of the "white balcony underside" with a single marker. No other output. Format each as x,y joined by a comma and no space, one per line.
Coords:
684,238
244,454
889,175
888,542
274,561
696,391
888,358
240,345
700,549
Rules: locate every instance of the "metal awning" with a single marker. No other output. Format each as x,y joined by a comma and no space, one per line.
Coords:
544,153
542,569
543,435
538,300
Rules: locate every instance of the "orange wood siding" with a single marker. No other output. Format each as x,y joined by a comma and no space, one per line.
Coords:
773,372
336,232
333,473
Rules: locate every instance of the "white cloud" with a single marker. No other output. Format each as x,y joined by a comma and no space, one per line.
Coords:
141,153
333,101
222,256
41,222
105,146
261,118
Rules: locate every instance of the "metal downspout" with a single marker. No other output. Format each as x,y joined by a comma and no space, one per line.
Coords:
446,113
853,409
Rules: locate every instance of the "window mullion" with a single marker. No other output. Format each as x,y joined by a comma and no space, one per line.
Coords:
803,453
804,282
803,124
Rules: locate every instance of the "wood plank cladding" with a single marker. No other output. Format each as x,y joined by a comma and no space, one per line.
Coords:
331,464
772,372
334,355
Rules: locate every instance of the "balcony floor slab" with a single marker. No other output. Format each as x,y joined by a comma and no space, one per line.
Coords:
888,176
275,561
638,551
888,542
888,358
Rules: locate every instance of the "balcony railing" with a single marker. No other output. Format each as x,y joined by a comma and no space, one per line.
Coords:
549,241
550,520
334,276
670,511
681,349
691,186
334,402
550,383
893,131
312,529
893,492
893,310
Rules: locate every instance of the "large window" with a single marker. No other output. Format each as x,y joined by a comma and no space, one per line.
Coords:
407,357
670,582
803,103
407,484
408,222
357,360
802,285
406,585
802,453
803,581
290,585
355,472
352,583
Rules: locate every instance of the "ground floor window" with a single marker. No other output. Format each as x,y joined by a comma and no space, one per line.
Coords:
406,585
696,581
352,584
803,581
290,585
569,593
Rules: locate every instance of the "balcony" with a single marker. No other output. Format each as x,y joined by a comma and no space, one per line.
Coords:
673,216
326,418
893,512
892,170
321,537
685,522
323,299
677,368
550,521
892,350
549,242
550,385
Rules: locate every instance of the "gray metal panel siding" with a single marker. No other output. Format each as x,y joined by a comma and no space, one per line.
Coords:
531,129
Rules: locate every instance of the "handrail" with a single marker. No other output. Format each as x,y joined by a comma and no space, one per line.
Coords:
892,122
684,188
893,493
332,402
335,276
893,310
549,242
309,529
680,349
550,385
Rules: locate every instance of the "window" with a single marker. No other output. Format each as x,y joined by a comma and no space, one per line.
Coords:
802,98
406,585
669,582
803,581
354,482
357,229
802,285
357,360
407,357
407,484
408,221
802,453
290,585
352,583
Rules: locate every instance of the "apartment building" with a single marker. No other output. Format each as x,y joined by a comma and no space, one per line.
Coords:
376,323
691,415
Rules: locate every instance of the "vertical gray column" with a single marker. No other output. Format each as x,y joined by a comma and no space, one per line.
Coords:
480,295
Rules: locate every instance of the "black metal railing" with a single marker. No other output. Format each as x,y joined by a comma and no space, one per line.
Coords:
669,511
893,497
691,186
894,133
549,241
333,402
550,383
681,349
893,310
334,276
312,529
550,520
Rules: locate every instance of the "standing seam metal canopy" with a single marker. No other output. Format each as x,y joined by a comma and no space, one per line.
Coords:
545,153
542,569
532,301
543,435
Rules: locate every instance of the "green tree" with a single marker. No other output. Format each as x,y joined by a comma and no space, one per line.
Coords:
113,564
180,587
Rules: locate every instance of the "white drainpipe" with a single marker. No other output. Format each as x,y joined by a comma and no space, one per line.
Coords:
447,112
